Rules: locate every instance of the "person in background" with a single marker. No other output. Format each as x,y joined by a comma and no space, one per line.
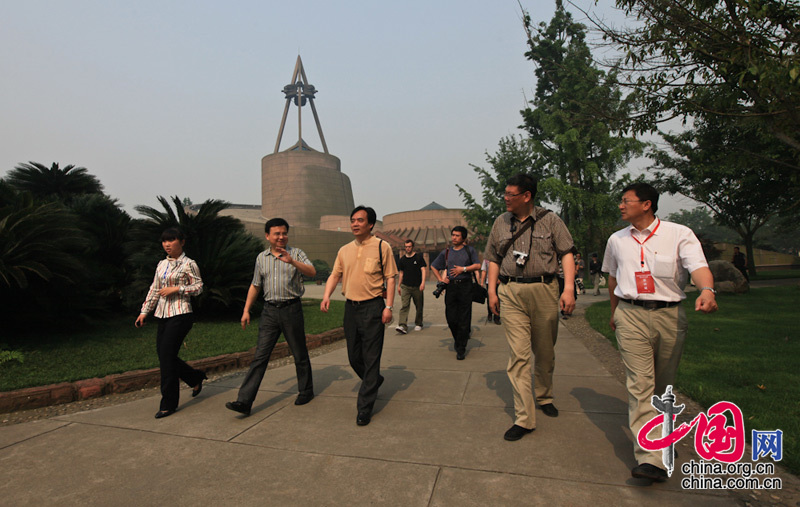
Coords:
740,262
457,262
579,267
411,284
596,273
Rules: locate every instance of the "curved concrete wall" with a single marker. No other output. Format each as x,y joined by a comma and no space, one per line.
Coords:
301,186
421,219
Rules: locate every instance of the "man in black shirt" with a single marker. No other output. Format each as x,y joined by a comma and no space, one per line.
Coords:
411,285
595,272
740,261
457,262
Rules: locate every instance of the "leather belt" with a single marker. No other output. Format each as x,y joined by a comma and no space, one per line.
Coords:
522,279
651,305
282,304
461,280
356,303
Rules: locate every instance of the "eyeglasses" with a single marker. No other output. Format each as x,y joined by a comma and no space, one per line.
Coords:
509,194
625,202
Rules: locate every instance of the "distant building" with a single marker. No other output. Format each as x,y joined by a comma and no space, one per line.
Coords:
308,189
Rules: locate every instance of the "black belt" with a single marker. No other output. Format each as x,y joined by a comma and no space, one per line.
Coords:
356,303
282,304
651,305
522,279
461,280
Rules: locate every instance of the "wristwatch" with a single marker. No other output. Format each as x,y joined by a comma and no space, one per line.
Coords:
708,288
389,308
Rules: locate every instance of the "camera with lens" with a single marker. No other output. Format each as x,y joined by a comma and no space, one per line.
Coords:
440,287
520,257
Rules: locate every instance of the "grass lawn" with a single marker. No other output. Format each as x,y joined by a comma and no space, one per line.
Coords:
117,346
777,274
746,353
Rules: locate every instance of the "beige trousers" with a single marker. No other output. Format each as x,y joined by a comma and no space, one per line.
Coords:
651,343
530,320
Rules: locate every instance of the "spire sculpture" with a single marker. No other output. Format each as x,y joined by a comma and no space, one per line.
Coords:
301,184
300,91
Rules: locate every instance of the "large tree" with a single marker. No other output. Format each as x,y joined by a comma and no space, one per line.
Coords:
715,164
513,156
53,183
570,136
570,148
727,58
701,221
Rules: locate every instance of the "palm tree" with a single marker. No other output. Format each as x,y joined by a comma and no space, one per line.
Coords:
106,226
41,271
37,240
223,249
53,183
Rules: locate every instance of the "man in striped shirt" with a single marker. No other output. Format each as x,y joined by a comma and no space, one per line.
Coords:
278,274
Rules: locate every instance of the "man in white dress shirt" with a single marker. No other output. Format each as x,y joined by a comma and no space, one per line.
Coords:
648,265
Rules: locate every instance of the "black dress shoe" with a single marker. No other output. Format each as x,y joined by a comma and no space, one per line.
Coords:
164,413
516,432
199,387
648,471
238,406
460,355
549,410
363,418
302,399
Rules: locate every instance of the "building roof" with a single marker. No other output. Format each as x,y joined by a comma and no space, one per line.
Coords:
433,205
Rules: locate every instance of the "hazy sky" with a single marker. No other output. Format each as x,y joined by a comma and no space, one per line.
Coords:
184,97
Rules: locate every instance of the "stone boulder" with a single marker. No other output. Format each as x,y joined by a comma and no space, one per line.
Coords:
727,278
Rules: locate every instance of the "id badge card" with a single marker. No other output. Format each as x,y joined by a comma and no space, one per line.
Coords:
645,283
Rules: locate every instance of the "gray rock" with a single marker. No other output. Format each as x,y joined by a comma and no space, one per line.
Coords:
727,278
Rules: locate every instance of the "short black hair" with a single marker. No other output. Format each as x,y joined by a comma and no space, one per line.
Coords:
371,216
461,229
409,241
276,222
644,192
173,233
524,182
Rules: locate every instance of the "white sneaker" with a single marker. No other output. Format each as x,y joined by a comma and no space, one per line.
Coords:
401,329
417,328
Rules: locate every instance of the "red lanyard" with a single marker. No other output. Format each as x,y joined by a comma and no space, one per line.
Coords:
641,243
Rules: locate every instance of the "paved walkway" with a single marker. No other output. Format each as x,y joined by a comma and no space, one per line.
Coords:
436,438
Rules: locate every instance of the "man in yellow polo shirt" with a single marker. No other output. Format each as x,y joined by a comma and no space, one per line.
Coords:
363,266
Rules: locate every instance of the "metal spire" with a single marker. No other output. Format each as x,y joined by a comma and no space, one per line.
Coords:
299,91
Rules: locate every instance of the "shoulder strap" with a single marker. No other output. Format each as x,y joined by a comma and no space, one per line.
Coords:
504,250
380,254
469,253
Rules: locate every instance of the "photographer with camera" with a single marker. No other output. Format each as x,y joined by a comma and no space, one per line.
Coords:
523,252
457,263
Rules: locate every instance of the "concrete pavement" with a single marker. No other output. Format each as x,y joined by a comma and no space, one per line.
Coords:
436,438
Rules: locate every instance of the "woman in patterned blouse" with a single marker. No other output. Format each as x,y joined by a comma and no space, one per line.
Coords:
177,279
